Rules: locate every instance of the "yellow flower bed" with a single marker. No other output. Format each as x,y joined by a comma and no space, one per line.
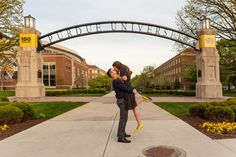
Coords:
219,128
4,127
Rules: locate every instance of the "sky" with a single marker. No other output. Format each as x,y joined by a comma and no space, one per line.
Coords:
134,50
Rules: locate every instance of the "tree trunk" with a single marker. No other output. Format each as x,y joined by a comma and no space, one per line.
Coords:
228,86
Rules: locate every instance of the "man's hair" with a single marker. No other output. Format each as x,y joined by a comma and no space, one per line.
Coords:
119,65
109,72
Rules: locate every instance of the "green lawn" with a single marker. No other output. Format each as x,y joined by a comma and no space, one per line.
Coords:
48,110
175,108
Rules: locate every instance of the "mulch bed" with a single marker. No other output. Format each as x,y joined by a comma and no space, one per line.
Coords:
16,128
196,121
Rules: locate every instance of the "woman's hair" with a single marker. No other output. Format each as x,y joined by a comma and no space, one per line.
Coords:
119,65
109,72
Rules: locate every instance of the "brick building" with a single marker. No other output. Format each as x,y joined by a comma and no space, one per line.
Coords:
174,68
95,71
62,68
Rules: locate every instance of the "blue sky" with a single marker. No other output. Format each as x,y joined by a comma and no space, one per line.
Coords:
134,50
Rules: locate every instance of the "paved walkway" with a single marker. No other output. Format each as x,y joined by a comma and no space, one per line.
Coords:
90,131
90,99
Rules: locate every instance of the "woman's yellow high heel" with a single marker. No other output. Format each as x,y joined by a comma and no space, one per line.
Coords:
147,98
139,128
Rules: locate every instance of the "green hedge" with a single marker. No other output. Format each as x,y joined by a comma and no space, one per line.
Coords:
198,109
4,103
233,107
28,112
26,109
76,91
4,99
10,114
231,101
169,92
215,111
219,113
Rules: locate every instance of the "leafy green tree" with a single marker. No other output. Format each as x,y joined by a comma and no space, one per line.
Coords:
176,84
227,52
163,82
11,15
145,79
101,82
190,74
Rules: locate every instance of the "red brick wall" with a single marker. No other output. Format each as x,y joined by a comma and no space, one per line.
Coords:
63,69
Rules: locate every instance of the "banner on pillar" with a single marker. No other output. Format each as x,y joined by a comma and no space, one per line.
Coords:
28,40
207,41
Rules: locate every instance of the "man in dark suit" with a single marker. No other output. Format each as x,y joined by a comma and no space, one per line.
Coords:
120,88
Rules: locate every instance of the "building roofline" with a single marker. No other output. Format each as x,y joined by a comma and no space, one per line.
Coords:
184,51
70,51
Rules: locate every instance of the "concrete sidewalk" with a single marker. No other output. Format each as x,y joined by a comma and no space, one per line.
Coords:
90,131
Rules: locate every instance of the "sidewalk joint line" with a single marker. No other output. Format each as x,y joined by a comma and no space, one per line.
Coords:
109,136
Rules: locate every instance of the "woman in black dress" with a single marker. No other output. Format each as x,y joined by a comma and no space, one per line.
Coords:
125,74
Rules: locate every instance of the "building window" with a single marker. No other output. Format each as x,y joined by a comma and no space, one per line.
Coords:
49,74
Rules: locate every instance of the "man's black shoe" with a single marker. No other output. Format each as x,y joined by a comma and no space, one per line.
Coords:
127,135
123,140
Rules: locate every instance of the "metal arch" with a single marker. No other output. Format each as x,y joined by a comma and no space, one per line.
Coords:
120,27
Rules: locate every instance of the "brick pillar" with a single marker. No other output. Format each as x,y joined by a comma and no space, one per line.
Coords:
208,81
29,79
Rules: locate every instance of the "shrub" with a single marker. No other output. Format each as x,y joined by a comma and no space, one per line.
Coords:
26,109
4,99
76,91
169,92
4,103
218,103
231,101
198,109
233,107
41,116
10,114
219,113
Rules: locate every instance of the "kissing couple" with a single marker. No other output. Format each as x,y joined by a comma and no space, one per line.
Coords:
125,95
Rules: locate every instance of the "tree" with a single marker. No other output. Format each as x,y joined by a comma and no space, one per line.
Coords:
176,84
227,52
223,18
11,15
145,79
190,73
221,12
101,82
163,82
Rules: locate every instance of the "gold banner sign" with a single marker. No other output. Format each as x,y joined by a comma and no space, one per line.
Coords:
207,41
28,40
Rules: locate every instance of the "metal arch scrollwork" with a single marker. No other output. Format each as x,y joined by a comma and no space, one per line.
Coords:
116,27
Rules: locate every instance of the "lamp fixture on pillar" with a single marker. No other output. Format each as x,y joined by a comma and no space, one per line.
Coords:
206,23
29,21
